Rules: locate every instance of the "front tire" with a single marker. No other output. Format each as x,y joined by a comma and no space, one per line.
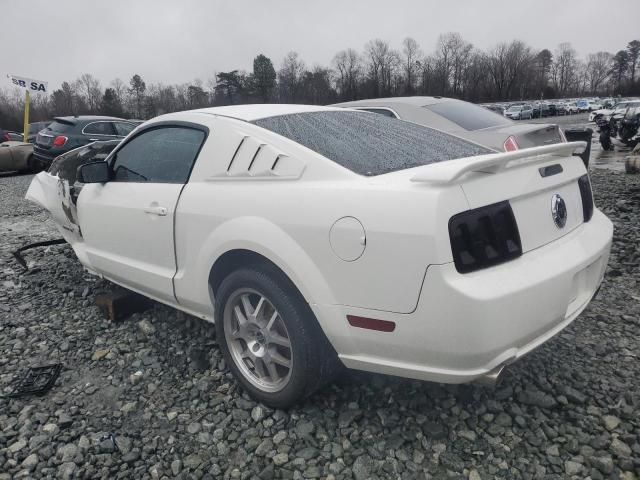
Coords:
269,337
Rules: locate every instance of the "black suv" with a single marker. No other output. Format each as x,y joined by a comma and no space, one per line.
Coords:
67,133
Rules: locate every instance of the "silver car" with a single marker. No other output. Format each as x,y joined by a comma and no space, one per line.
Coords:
519,112
463,119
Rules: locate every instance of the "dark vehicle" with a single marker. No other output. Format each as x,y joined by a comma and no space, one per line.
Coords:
629,126
34,129
9,136
67,133
553,109
605,129
540,110
499,109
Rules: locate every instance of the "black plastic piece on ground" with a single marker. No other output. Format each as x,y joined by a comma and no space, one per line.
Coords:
581,135
18,253
37,381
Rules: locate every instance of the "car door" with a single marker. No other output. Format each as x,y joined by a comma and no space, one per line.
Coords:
127,223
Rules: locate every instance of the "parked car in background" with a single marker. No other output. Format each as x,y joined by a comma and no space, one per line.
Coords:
618,108
297,287
561,108
67,133
16,156
464,120
540,110
499,109
35,128
520,112
571,108
585,105
9,136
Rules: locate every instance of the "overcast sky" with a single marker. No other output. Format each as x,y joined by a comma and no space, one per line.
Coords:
180,40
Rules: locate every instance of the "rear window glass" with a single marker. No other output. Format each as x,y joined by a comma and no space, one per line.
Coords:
467,115
369,144
59,127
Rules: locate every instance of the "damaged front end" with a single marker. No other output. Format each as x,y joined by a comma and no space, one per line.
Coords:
57,190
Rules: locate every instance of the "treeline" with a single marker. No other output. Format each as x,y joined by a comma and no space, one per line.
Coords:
508,71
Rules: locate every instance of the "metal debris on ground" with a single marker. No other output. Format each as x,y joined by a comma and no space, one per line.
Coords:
18,253
119,305
37,381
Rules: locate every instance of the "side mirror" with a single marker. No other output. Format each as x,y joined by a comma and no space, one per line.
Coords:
94,172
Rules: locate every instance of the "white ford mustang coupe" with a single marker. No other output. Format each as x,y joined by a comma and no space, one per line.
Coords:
318,235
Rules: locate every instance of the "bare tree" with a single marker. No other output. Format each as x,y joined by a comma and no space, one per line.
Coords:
120,89
598,69
564,68
290,77
508,64
412,54
633,52
348,63
90,89
376,52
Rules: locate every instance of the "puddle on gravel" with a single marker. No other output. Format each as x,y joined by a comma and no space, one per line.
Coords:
607,159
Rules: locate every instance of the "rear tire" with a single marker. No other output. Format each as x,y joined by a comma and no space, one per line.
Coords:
258,312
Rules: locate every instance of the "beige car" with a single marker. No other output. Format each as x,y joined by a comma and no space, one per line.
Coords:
17,156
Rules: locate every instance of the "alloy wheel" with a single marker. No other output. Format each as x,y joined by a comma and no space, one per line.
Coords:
258,340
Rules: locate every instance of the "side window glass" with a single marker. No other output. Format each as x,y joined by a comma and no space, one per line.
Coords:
123,129
161,155
99,128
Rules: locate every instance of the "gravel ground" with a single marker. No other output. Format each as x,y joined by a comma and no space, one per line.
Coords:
150,397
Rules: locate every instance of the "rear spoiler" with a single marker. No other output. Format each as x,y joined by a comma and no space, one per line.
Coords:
450,171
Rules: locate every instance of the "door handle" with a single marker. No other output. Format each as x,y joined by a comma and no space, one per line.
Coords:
160,211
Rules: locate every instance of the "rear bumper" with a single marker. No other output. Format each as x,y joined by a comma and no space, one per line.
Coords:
466,326
44,157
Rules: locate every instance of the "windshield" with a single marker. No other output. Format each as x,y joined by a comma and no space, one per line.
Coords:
367,143
467,115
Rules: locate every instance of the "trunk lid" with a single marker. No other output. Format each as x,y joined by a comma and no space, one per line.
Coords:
527,135
528,179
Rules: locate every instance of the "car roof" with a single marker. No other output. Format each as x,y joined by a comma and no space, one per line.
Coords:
86,118
417,101
252,112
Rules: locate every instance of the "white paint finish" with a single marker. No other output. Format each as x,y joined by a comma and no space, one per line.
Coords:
454,171
450,327
467,325
348,239
124,240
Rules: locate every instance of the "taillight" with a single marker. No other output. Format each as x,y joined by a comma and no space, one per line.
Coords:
484,237
59,141
587,197
5,137
510,144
